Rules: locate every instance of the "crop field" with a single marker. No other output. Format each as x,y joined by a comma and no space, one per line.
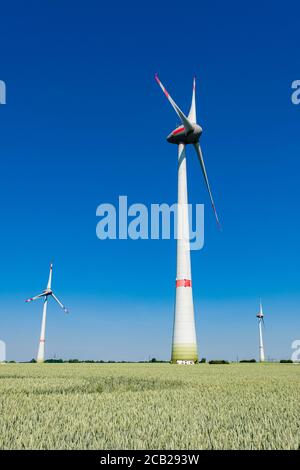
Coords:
149,406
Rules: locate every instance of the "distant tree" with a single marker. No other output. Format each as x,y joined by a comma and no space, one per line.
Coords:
54,361
202,361
286,361
218,361
247,361
33,361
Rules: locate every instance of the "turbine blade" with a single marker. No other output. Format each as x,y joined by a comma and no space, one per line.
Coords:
185,121
192,114
201,160
260,307
59,303
50,277
34,298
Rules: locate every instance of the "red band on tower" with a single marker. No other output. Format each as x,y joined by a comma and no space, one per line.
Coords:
183,283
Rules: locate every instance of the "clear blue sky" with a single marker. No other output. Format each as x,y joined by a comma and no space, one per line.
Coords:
85,122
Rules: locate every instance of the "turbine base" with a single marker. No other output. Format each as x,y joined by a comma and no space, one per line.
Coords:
184,353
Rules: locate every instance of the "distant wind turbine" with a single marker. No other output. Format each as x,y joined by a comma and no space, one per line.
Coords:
45,294
261,322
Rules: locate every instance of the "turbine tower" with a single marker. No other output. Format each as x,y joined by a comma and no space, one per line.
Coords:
184,344
261,322
45,294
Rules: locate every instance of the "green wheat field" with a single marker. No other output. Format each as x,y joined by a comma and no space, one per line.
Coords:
149,406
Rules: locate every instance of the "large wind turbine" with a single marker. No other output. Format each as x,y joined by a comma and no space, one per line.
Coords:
260,317
184,345
45,294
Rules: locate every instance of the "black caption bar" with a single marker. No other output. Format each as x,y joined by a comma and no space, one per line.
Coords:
135,459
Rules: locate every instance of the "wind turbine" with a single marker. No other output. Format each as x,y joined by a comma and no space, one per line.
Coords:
184,345
45,294
261,322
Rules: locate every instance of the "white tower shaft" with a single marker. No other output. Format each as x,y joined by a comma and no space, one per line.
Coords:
41,350
261,343
184,347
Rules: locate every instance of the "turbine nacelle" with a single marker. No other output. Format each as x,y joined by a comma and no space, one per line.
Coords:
181,136
260,314
47,292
